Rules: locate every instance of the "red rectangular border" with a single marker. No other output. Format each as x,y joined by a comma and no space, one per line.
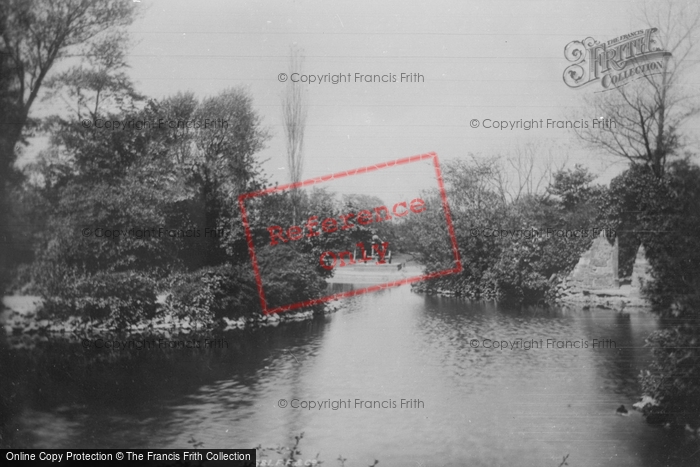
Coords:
361,170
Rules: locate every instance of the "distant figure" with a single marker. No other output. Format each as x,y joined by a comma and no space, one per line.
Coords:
380,249
621,410
375,241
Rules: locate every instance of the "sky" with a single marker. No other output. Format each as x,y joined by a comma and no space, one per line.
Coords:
495,59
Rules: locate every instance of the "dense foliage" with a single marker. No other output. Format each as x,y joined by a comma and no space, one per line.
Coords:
121,299
662,214
160,204
673,378
211,293
509,249
35,36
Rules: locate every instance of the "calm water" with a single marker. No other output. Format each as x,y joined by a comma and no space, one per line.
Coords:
480,407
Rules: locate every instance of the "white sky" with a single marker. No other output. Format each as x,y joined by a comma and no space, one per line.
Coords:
480,59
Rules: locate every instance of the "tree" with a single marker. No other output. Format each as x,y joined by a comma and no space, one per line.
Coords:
664,216
99,84
184,173
219,163
384,230
527,171
661,213
34,36
649,112
512,243
98,89
572,186
294,112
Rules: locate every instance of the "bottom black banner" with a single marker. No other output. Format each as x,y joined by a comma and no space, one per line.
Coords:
152,457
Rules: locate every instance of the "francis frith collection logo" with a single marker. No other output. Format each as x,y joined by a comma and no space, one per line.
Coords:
616,62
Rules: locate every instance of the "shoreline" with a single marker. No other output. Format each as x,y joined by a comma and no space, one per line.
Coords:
20,322
23,328
608,298
19,313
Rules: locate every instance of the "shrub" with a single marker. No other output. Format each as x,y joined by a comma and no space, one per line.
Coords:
673,379
507,247
230,291
124,298
662,214
289,276
213,293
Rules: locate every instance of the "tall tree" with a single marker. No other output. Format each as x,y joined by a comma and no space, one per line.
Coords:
34,36
97,88
649,112
99,84
294,112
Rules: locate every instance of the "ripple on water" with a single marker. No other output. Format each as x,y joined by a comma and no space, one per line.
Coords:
483,407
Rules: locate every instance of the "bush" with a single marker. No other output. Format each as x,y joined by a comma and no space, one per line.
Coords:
673,379
213,293
124,298
507,251
289,276
662,214
230,291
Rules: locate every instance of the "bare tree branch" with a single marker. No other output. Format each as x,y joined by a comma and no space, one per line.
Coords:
648,112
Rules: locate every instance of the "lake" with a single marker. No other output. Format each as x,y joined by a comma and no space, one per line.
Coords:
463,404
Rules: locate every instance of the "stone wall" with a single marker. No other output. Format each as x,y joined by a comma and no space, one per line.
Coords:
597,267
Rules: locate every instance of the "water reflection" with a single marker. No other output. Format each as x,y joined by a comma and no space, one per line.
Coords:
481,407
